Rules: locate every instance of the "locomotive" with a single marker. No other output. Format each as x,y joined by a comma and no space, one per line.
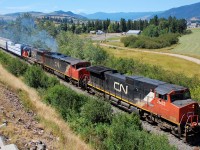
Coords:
167,105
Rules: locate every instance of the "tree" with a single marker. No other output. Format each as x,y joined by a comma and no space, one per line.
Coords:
129,24
151,31
154,21
94,54
123,27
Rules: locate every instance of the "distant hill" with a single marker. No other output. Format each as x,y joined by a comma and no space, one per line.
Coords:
65,14
13,16
119,15
186,12
55,14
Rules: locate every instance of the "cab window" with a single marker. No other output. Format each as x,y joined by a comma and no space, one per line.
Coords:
180,96
164,97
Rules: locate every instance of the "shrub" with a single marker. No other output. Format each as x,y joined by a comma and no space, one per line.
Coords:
17,67
65,100
122,133
35,77
163,40
96,111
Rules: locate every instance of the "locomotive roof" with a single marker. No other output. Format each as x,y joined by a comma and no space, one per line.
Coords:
99,69
150,81
65,58
166,88
119,76
4,39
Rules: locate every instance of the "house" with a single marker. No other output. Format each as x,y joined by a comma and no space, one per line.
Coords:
133,32
92,32
99,32
192,25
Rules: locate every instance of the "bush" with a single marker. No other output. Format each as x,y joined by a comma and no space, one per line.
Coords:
96,111
36,78
17,67
65,100
13,65
163,40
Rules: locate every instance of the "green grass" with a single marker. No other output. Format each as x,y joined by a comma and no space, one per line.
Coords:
189,44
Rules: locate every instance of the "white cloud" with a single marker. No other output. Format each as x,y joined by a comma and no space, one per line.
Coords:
77,11
18,8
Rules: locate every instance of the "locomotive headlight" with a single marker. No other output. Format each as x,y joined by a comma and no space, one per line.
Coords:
193,106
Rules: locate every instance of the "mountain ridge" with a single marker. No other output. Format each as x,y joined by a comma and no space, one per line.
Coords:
186,12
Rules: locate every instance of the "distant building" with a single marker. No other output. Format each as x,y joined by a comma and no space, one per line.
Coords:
193,25
133,32
92,32
99,32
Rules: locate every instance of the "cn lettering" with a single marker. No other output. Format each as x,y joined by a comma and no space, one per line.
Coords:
119,87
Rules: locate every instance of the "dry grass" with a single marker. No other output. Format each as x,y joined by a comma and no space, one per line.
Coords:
166,62
70,140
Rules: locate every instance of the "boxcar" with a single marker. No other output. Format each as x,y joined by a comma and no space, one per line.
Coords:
3,43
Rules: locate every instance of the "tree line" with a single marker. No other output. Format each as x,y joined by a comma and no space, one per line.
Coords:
154,27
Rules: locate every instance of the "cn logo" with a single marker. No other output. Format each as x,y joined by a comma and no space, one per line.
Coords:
119,87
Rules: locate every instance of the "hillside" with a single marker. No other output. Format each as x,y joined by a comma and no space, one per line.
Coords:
55,14
119,15
187,12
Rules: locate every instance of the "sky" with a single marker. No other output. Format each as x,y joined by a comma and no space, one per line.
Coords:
90,6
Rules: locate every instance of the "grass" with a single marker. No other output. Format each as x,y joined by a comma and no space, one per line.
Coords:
189,44
166,62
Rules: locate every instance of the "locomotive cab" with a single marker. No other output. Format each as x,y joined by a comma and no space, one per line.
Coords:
26,51
187,108
174,103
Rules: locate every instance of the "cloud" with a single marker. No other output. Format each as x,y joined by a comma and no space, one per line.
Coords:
18,8
79,11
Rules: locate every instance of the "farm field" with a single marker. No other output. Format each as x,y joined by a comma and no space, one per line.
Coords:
166,62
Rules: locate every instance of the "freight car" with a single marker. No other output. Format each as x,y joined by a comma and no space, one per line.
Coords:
3,43
168,105
15,48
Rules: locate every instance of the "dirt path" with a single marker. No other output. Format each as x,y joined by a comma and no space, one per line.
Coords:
195,60
72,142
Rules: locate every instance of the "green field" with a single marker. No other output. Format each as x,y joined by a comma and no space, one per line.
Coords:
189,44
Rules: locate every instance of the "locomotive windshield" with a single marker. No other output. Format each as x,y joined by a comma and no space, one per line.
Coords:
81,65
180,96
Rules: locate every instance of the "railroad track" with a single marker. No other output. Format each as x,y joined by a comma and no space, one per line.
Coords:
178,143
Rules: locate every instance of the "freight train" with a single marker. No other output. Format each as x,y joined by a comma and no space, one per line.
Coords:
167,105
